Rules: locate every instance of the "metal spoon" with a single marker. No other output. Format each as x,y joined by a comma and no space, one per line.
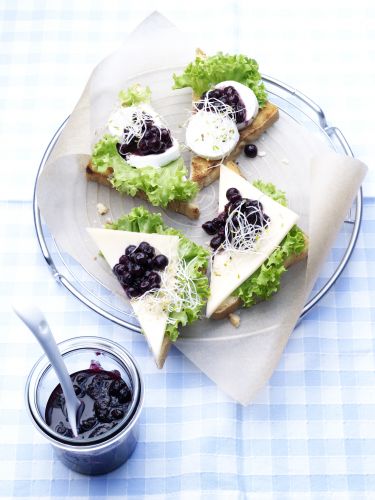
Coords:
37,323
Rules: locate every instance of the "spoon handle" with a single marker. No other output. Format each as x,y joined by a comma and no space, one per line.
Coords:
37,323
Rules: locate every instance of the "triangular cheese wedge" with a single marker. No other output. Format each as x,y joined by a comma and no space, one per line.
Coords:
152,315
230,269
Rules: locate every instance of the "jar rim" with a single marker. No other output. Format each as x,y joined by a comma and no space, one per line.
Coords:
74,344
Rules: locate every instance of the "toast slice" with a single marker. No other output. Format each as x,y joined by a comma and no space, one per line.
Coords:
186,208
204,172
232,303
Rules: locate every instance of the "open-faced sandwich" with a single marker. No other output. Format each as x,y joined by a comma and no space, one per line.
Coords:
161,272
254,239
138,156
230,110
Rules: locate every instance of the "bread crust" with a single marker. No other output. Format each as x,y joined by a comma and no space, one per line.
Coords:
190,210
232,303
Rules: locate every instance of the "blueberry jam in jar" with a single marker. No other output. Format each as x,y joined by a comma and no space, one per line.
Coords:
106,399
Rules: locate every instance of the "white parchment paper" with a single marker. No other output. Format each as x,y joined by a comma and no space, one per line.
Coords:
320,187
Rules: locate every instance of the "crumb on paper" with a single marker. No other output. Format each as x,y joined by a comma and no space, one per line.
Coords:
285,161
102,209
234,319
261,154
95,257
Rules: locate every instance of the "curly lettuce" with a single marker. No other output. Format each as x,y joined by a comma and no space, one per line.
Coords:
266,280
161,185
142,221
205,72
134,95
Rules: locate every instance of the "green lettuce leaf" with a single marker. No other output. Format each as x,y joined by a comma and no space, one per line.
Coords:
266,280
142,221
161,185
134,95
204,73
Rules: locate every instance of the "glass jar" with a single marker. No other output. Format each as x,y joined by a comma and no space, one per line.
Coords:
108,451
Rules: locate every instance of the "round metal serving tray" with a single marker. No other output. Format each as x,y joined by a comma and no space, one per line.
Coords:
299,107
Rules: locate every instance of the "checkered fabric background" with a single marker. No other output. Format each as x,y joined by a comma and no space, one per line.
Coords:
310,432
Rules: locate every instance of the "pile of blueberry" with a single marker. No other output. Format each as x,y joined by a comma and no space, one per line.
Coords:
227,95
154,140
137,270
251,209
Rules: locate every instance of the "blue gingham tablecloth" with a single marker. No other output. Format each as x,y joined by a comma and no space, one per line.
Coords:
310,432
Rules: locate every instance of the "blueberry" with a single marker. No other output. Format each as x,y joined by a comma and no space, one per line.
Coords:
135,270
209,227
145,285
230,90
130,249
94,389
143,146
117,413
147,249
160,262
236,200
217,223
216,242
149,264
124,395
119,269
154,277
102,403
103,415
80,392
216,93
132,292
222,216
123,260
126,279
60,428
140,258
123,149
250,150
233,195
115,387
88,424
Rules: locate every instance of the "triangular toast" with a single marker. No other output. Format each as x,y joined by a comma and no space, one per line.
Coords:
231,269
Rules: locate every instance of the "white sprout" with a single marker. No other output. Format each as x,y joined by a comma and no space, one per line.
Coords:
214,104
136,128
183,295
241,234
